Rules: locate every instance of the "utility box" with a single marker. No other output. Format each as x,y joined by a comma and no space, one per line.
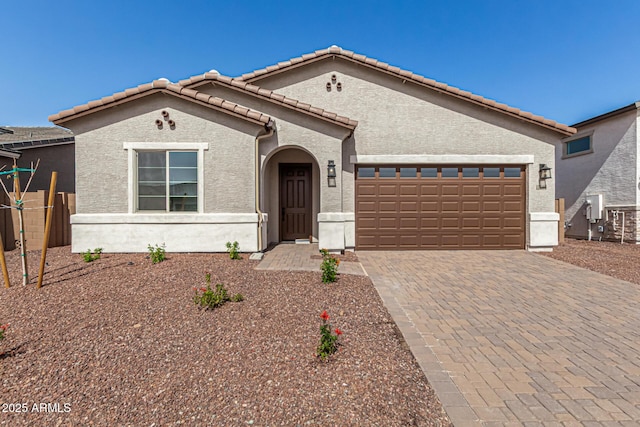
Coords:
595,207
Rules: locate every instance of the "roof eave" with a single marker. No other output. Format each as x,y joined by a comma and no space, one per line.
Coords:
622,110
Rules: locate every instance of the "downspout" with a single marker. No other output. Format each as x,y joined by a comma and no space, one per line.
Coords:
271,131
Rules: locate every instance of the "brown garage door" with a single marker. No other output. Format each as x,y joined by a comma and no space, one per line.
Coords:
440,207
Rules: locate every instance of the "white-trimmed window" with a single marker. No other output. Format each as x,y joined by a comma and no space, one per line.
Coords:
167,181
577,146
166,177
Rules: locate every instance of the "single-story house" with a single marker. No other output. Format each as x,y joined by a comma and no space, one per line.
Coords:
332,146
52,146
597,175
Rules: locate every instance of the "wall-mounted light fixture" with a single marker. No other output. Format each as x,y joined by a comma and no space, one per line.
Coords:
331,173
328,87
545,174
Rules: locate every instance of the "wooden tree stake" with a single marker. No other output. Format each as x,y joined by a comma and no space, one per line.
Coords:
47,227
3,261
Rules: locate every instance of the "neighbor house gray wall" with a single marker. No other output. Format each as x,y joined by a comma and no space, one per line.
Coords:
611,170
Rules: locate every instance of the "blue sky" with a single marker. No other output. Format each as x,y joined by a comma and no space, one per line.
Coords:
566,60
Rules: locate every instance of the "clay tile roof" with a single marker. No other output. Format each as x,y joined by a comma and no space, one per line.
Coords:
270,96
407,75
166,87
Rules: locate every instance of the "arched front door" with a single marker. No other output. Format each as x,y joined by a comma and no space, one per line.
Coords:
295,201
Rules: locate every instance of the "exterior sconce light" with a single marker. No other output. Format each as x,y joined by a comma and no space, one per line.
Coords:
334,78
328,87
331,173
545,174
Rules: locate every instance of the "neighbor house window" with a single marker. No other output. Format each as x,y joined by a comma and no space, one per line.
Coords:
578,146
167,181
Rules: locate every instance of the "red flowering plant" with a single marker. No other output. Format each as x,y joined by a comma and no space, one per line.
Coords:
328,341
208,298
329,266
3,328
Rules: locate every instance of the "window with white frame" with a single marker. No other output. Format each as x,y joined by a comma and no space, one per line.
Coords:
167,181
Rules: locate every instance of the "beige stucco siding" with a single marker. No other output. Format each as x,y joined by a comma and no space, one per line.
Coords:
403,118
102,162
321,140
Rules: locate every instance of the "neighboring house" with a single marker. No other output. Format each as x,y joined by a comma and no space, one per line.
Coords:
331,146
53,146
598,175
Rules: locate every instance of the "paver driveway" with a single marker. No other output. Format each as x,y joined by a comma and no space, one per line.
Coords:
514,338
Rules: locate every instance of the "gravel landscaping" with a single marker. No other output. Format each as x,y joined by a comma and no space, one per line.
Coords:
119,341
617,260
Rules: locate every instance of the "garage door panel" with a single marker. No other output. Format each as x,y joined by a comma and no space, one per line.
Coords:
408,189
471,223
450,223
409,223
512,223
491,189
385,206
388,190
450,190
429,224
471,206
513,190
471,241
429,206
488,223
387,223
409,207
366,190
428,212
471,189
509,206
368,223
450,240
491,207
491,240
429,189
450,206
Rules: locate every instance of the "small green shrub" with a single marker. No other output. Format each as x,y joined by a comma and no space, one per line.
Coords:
208,299
328,341
232,248
157,253
329,267
89,256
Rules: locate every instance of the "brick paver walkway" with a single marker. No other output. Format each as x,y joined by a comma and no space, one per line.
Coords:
291,256
513,338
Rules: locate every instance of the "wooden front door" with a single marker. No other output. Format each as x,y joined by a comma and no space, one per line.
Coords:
295,201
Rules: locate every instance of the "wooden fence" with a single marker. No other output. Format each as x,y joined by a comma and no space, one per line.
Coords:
34,220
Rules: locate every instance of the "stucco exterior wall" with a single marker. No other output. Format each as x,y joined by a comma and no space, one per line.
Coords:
106,215
401,118
102,161
611,170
